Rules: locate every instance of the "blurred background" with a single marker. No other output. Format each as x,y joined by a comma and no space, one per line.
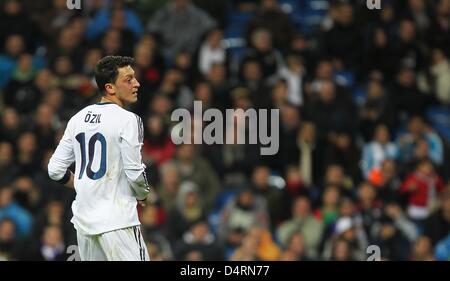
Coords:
364,124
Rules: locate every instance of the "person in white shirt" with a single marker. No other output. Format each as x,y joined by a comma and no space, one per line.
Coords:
104,140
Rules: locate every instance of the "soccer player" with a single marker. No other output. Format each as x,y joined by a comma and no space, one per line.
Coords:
104,140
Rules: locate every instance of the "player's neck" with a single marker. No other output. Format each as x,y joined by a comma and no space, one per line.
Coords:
113,100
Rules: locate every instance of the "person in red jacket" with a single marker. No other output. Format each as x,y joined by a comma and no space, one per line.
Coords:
158,147
422,188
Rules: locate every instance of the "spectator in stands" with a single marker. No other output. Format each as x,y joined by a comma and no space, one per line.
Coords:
407,98
13,48
345,35
219,10
8,239
55,102
174,86
440,76
328,211
10,209
212,51
262,49
189,208
19,90
343,152
27,153
218,79
53,213
16,17
261,186
422,250
234,162
27,194
239,215
419,12
437,225
294,73
391,240
158,250
68,43
200,239
295,187
267,249
296,247
158,147
119,23
302,220
184,63
50,17
192,167
271,17
334,175
112,15
346,235
323,70
251,77
11,125
309,154
422,188
51,246
181,26
246,251
290,121
379,55
440,27
421,152
368,206
44,129
8,170
379,149
161,105
111,43
377,108
278,94
387,181
153,218
331,110
203,93
407,48
341,251
417,129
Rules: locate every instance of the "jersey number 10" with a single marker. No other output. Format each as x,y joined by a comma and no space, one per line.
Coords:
91,152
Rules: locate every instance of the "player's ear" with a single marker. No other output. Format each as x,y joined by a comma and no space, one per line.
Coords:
109,88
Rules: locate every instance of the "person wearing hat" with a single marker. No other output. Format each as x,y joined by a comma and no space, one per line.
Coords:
345,230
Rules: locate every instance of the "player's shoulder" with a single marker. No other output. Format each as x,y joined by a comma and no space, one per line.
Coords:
129,116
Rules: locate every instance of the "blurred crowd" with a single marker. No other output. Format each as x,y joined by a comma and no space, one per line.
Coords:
360,161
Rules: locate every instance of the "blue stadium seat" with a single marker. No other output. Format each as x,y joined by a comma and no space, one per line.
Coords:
359,95
439,116
239,17
221,201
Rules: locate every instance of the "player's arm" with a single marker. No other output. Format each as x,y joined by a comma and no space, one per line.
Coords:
132,137
62,158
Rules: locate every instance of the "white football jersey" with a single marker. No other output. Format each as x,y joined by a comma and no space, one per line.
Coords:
105,142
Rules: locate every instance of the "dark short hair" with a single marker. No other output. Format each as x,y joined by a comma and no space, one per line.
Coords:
107,71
